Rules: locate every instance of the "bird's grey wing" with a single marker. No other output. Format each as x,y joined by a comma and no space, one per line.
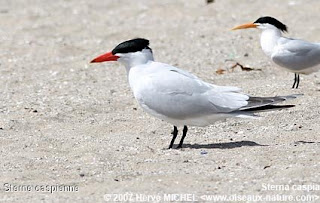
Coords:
175,94
172,93
296,54
226,100
222,99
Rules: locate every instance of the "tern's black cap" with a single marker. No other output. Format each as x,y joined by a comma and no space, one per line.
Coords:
132,45
272,21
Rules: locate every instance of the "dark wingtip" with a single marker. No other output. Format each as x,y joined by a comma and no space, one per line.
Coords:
292,96
268,107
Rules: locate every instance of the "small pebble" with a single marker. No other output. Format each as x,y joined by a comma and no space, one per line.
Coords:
266,167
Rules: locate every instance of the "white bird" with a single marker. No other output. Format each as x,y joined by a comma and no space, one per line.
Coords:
178,97
295,55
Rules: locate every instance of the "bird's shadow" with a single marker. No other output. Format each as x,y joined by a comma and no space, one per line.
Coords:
306,142
223,145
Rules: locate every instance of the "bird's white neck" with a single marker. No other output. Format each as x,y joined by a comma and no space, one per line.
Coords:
269,39
130,60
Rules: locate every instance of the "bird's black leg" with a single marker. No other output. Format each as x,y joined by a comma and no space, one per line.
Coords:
185,130
295,80
298,81
174,136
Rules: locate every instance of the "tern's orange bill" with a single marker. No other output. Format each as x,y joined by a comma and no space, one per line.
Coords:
245,26
105,57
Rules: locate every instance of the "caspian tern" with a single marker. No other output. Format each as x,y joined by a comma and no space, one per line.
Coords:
295,55
178,97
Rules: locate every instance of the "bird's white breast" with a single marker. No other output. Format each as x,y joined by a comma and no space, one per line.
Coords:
268,40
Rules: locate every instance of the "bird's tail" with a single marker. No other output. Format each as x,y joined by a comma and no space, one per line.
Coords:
256,104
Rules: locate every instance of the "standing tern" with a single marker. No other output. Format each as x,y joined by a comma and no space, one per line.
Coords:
295,55
178,97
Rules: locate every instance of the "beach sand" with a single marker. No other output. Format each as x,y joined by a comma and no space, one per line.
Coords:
64,121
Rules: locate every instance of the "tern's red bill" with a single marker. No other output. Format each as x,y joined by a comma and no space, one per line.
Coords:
105,57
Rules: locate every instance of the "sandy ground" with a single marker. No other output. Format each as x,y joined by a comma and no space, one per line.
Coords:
64,121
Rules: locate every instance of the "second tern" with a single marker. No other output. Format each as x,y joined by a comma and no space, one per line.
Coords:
295,55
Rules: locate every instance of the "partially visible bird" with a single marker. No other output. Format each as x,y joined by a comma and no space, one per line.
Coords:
295,55
178,97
